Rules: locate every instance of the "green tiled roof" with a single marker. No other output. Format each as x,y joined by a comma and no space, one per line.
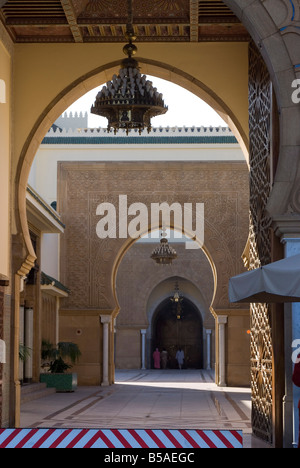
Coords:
48,280
44,205
156,140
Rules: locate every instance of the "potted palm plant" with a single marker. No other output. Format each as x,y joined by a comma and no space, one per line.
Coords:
55,367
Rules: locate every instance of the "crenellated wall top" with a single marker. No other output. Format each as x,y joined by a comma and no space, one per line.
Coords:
76,125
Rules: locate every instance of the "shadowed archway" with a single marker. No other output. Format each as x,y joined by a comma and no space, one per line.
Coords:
172,331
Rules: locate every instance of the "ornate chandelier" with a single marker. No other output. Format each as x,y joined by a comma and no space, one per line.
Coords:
164,254
129,101
177,299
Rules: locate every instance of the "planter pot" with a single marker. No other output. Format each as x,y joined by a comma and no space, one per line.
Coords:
61,382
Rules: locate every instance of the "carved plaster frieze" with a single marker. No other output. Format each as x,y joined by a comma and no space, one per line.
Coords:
90,261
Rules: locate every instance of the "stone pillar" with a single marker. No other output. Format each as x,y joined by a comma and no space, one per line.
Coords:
22,341
143,333
222,320
2,352
208,347
28,342
292,333
288,396
105,320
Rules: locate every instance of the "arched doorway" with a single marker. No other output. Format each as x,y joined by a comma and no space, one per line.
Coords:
143,288
256,18
172,330
211,94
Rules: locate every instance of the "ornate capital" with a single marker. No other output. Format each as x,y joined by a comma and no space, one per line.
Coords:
105,319
287,226
222,319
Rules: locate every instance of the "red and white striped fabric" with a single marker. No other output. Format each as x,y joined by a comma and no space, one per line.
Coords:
119,438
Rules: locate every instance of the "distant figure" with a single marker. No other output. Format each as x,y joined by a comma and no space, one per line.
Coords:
296,380
156,357
164,358
180,358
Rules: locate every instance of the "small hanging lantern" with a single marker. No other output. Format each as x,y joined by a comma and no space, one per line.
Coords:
177,301
177,298
164,254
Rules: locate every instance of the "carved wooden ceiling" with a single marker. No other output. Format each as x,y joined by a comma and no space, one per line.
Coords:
105,21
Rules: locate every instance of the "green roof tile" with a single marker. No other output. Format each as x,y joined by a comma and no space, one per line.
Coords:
140,140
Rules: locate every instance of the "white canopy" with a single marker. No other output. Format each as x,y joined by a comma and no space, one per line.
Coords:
276,282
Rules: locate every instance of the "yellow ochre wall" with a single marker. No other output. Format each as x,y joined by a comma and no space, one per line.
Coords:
48,78
44,71
5,147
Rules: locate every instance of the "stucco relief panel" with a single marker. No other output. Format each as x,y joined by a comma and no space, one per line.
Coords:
88,260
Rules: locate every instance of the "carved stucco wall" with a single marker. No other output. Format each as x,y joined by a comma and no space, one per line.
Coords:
89,264
260,157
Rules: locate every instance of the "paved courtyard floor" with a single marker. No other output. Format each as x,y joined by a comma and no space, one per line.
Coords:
150,399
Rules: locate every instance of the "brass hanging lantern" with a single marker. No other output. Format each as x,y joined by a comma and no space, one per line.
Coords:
177,299
129,101
164,254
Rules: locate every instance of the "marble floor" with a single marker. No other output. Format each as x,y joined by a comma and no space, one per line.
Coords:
150,399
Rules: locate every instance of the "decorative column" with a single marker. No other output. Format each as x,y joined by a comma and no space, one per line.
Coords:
28,342
292,333
222,320
22,341
143,333
2,352
208,347
105,320
287,228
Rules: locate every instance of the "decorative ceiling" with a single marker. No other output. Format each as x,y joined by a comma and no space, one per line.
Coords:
105,21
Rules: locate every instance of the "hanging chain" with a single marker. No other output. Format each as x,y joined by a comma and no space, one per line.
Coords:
130,17
130,13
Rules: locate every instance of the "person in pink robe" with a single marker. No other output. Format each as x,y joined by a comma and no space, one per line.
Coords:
156,358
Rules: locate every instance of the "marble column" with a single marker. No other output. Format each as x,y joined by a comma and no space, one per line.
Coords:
105,320
208,347
143,333
22,341
28,342
292,333
2,352
222,320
